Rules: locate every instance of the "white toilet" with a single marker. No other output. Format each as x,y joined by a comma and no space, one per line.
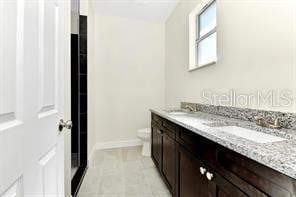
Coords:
145,136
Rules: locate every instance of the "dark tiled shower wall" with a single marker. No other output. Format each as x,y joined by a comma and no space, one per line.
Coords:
79,93
74,96
83,89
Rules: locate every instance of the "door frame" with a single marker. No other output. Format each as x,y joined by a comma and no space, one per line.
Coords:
67,100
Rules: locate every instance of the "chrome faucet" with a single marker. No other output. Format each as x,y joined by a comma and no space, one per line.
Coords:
190,108
260,121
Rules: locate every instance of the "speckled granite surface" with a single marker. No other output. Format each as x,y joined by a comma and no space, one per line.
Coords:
288,120
280,156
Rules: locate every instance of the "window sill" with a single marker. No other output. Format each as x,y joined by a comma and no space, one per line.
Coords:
202,66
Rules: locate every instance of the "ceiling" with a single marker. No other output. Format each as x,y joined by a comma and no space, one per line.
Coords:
151,10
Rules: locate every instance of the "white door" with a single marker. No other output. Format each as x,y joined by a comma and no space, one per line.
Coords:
33,34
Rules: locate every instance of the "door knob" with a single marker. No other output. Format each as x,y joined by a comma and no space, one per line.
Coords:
68,125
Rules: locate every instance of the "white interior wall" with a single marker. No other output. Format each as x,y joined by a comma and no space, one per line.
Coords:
128,76
256,52
91,80
84,7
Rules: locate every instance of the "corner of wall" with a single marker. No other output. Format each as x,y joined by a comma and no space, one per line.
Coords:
91,90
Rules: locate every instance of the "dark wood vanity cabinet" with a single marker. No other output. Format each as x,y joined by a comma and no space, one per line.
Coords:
163,153
193,166
156,145
190,182
194,177
168,161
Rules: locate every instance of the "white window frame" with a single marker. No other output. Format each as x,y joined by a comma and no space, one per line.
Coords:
194,38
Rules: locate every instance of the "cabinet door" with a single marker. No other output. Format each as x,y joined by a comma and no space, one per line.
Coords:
191,182
156,145
169,161
220,187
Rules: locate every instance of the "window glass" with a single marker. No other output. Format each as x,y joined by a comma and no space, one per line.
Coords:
207,20
206,52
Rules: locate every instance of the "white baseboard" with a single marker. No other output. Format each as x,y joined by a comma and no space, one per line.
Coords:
114,144
91,154
118,144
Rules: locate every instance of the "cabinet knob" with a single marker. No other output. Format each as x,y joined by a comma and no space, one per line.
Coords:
209,176
202,170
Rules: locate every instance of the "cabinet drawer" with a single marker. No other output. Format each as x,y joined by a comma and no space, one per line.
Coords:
170,128
169,125
252,177
157,119
186,138
198,145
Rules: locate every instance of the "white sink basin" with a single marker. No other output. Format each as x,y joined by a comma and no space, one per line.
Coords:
250,134
177,113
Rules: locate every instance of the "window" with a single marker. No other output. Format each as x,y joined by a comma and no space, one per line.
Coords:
203,35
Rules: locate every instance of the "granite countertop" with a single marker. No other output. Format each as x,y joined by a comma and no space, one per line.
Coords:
280,156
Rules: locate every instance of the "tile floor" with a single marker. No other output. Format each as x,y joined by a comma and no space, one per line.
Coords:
122,172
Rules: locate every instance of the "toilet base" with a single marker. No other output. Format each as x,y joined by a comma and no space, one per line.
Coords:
146,151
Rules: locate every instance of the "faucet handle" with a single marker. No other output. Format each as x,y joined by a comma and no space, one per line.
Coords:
257,118
277,122
260,121
190,108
